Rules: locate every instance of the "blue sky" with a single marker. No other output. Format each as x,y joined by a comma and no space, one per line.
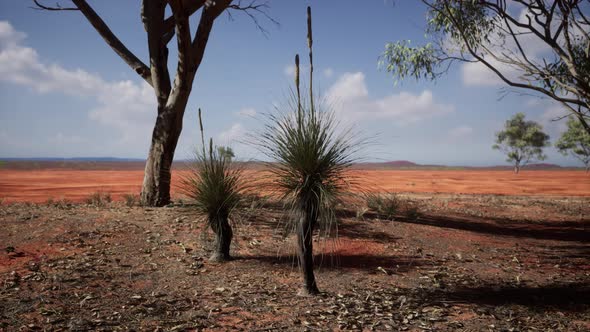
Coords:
65,93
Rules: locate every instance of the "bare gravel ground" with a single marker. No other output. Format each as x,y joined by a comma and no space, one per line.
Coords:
464,263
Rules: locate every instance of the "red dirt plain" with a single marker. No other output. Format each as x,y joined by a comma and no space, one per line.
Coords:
487,250
76,185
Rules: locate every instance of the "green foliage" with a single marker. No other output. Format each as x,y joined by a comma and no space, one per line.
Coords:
403,61
412,210
522,141
576,141
466,22
226,152
499,35
310,157
214,183
99,199
385,204
461,23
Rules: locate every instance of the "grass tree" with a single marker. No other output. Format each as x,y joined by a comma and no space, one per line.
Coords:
215,184
310,156
522,141
576,141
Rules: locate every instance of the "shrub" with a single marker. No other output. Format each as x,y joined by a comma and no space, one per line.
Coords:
412,211
130,199
386,205
63,204
99,199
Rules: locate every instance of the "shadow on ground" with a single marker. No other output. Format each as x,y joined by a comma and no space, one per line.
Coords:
577,231
371,263
563,297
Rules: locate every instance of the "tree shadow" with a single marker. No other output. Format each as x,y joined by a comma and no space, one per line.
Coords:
566,252
363,230
389,264
562,297
580,232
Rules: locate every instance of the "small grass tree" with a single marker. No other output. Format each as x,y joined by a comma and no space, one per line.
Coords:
576,141
310,156
215,184
522,141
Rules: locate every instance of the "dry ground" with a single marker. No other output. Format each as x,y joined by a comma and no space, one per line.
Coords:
38,185
467,263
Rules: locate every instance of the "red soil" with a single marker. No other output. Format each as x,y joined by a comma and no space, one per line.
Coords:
76,185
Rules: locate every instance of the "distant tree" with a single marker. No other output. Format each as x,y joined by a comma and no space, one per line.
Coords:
226,152
539,47
163,20
522,141
576,141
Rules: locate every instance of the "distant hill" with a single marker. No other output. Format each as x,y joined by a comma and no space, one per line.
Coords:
112,163
400,163
395,164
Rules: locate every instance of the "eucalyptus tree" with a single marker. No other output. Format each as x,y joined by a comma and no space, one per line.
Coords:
171,94
576,141
226,151
535,47
522,141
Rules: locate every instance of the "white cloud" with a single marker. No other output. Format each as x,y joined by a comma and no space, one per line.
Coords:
232,135
477,74
8,36
504,46
289,70
460,132
247,112
125,105
350,86
349,95
328,72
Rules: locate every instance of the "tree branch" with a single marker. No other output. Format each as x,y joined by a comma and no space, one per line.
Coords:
190,6
184,76
152,14
251,9
109,37
56,8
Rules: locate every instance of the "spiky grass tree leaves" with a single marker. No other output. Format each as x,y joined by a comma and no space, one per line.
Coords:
310,158
215,184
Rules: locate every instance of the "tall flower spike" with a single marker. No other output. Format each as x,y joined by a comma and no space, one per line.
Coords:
310,45
202,131
299,114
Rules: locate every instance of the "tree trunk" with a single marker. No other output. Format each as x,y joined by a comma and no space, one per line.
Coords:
157,176
223,237
587,169
305,249
516,169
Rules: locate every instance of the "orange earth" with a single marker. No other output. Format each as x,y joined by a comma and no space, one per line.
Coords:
76,185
